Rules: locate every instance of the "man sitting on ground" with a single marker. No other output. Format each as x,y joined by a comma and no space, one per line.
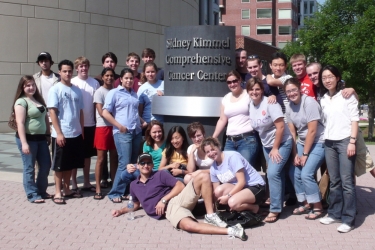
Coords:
165,195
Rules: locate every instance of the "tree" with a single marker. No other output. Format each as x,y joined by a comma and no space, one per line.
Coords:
341,34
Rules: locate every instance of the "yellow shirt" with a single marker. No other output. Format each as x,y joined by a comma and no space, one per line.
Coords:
176,157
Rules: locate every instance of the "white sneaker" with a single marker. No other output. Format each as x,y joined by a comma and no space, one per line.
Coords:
344,228
237,231
215,220
328,220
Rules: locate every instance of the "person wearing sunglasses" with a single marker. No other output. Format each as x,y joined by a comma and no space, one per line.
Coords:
163,196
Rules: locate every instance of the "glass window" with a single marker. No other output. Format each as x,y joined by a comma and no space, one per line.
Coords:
312,7
282,44
285,14
285,30
245,1
264,29
245,30
269,43
245,14
263,0
264,13
282,1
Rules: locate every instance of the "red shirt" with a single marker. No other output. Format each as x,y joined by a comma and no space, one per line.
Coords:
307,87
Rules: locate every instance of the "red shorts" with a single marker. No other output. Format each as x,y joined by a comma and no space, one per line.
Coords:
104,138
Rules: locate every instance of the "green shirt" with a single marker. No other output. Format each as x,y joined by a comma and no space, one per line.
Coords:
156,154
35,122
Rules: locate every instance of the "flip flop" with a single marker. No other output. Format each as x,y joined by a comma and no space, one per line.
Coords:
317,212
104,184
118,201
48,196
39,201
98,196
89,189
297,211
73,195
60,199
271,217
125,197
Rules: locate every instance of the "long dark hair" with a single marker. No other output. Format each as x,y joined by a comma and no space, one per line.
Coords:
169,149
335,71
143,75
20,90
149,140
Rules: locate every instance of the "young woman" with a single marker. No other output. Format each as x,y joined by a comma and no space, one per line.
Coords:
32,138
268,120
305,119
235,181
149,88
341,128
121,110
235,112
154,145
174,156
103,140
198,161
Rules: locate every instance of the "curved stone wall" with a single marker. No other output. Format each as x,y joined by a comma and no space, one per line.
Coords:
71,28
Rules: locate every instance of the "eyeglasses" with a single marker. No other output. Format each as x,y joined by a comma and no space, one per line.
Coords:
253,57
143,163
234,81
291,91
328,78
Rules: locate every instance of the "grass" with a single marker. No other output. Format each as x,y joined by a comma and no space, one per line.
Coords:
365,135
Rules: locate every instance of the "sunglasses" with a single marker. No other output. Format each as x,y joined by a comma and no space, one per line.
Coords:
253,57
234,81
143,163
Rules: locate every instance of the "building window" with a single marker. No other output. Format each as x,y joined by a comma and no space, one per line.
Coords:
284,1
312,7
245,14
264,29
263,0
245,1
282,44
269,43
285,14
264,13
245,30
285,30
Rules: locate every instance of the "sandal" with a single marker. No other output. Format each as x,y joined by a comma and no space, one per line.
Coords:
298,211
39,201
125,197
59,201
89,189
318,213
272,218
116,200
73,195
47,196
98,196
104,184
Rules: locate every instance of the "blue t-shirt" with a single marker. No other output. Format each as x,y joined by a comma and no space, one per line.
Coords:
124,108
232,162
145,94
68,101
156,154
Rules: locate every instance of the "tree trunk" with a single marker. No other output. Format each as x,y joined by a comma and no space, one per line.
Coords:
371,106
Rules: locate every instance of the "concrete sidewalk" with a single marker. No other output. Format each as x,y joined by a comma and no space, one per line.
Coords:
87,224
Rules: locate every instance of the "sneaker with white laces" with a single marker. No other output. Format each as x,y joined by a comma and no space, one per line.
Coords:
214,220
344,228
328,220
237,231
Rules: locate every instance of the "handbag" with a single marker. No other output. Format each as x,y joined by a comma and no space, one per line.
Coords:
324,186
12,123
182,167
247,219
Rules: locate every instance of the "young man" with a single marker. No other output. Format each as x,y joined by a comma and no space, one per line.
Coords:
88,86
109,60
132,61
278,66
161,194
241,66
148,55
45,78
298,62
65,104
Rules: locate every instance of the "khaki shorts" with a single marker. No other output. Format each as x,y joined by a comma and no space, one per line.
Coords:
180,207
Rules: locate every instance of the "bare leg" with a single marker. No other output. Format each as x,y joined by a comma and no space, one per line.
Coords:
74,179
86,173
113,162
202,185
66,177
58,184
99,167
189,225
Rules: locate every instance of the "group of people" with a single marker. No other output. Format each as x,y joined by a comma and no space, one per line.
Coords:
297,123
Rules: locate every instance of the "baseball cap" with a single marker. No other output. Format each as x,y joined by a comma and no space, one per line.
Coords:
144,156
44,55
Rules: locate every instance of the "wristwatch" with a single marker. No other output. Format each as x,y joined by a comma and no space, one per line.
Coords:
305,154
164,201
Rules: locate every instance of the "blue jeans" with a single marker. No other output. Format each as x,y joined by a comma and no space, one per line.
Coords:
38,152
276,175
342,196
127,145
247,147
127,177
303,178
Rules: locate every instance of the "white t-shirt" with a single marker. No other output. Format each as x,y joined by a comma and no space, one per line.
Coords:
145,94
99,97
200,163
88,88
46,83
237,114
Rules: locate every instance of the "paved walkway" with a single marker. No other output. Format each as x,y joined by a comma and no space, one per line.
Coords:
87,224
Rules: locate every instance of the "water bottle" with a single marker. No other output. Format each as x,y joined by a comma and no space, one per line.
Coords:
130,208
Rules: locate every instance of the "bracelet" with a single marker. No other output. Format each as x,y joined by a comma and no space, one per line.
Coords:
353,138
